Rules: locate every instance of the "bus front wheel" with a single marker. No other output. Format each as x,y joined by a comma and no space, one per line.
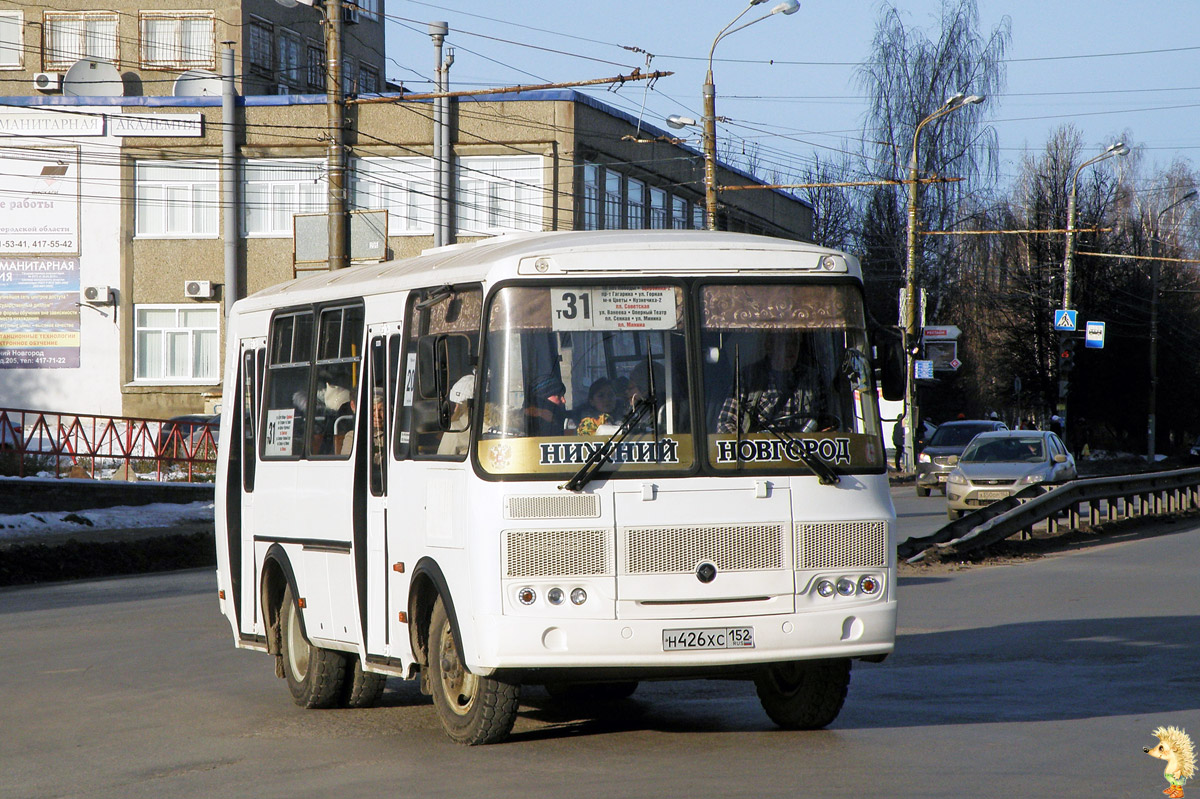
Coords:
314,675
472,709
804,694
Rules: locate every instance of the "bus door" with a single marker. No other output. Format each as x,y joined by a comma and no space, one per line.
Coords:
382,607
429,479
241,537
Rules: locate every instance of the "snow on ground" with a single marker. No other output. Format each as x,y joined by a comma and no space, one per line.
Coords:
161,514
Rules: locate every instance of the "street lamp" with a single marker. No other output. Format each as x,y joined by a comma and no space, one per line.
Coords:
953,103
710,107
1151,422
1069,259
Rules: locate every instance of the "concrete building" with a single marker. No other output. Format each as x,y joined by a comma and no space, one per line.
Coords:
112,262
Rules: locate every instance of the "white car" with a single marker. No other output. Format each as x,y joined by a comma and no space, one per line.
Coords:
997,464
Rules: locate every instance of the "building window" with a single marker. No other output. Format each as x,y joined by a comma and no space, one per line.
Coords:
612,200
499,194
71,36
368,80
349,76
176,198
316,67
658,208
177,343
12,42
276,190
591,197
177,40
679,214
401,186
370,9
635,205
261,47
291,59
698,217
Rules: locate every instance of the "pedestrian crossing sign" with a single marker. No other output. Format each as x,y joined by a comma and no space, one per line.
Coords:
1064,319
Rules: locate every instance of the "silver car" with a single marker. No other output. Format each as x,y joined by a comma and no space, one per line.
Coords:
995,465
942,449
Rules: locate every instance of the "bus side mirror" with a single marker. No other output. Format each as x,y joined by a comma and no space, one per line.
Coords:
889,360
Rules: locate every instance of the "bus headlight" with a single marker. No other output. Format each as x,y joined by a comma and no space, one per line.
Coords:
868,584
527,596
578,596
825,588
846,586
555,596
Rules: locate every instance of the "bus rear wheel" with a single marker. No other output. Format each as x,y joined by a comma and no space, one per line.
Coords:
361,688
472,709
804,694
314,675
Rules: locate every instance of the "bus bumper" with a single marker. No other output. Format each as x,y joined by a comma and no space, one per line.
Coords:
507,643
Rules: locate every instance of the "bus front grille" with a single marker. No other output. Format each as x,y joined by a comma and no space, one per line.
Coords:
555,506
557,553
841,545
679,549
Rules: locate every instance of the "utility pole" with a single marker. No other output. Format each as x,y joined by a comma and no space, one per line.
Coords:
335,106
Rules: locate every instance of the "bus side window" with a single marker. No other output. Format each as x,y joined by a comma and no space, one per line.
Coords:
250,376
288,375
339,347
379,416
441,347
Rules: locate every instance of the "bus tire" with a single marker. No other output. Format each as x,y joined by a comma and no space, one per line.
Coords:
314,675
804,694
591,692
472,709
361,688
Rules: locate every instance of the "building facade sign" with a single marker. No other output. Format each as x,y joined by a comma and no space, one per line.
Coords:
52,123
39,209
39,313
174,125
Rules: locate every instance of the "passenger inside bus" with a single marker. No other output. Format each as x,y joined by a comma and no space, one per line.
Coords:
545,408
599,410
783,390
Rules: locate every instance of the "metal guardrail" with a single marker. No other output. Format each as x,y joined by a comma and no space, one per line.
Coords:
1097,499
65,443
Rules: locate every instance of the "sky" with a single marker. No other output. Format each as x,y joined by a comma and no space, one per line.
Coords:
1114,70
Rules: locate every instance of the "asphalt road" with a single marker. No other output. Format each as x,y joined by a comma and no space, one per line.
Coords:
1042,678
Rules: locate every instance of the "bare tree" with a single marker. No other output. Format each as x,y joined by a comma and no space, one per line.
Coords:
908,77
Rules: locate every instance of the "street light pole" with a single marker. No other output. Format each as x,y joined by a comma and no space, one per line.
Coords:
1069,258
1151,421
335,105
911,284
710,106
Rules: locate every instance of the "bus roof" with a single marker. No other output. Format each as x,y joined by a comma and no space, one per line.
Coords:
567,253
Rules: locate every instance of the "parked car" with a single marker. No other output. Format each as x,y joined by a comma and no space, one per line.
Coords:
995,465
943,448
180,435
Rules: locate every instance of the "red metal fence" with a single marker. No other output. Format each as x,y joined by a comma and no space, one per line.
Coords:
65,444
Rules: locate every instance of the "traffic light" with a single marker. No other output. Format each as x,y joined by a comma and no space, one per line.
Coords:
1066,353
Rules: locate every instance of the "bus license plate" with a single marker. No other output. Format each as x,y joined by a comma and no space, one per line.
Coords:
708,638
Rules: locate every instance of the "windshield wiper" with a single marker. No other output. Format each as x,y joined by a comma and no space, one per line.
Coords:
601,454
825,473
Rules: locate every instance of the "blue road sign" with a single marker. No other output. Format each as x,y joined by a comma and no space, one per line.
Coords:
923,369
1065,320
1095,335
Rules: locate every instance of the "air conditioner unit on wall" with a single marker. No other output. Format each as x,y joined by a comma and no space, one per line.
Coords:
198,289
98,295
47,82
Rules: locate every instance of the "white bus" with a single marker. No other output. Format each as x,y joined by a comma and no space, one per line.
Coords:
576,459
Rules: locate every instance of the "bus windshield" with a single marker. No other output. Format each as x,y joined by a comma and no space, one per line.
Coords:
782,366
786,375
567,365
